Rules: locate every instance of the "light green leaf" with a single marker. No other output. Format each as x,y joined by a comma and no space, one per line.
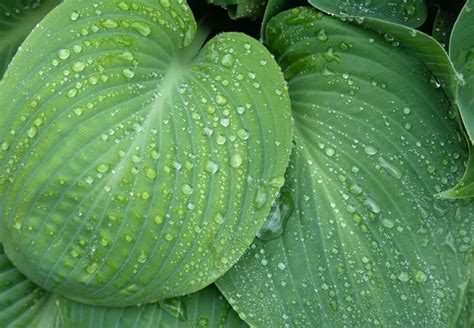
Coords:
407,12
368,243
132,168
22,303
274,7
206,308
242,8
17,19
461,51
466,318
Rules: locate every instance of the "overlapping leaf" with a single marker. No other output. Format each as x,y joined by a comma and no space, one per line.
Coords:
407,12
461,51
359,238
22,303
242,8
17,19
135,167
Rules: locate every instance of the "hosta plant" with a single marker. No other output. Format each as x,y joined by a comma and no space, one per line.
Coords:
229,163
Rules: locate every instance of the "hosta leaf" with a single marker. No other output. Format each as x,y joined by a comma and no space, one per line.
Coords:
274,7
358,238
407,12
242,8
443,25
22,303
17,19
461,51
206,308
133,169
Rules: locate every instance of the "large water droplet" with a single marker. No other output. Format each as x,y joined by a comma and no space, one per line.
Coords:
276,220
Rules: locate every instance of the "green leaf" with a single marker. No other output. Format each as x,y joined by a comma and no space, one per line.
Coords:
17,19
22,303
367,243
407,12
206,308
443,25
134,168
466,318
237,9
274,7
461,51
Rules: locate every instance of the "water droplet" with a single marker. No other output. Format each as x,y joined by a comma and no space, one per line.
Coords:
150,173
175,306
219,218
322,36
128,73
221,100
78,66
277,182
260,198
109,23
74,15
281,266
17,226
243,134
186,189
371,150
158,219
142,28
64,54
212,167
124,6
420,276
142,258
236,160
390,168
227,60
102,168
403,276
330,152
92,268
388,223
169,236
5,145
71,93
32,131
165,3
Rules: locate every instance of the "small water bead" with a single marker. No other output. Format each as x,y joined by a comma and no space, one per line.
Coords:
165,3
142,28
322,36
158,219
78,66
31,132
150,173
169,236
330,152
126,55
243,134
260,198
109,23
420,276
186,189
124,6
71,93
388,223
89,180
406,110
221,139
142,258
64,54
236,160
74,15
221,100
371,150
281,266
403,276
128,73
225,121
227,61
92,268
103,168
212,167
5,146
219,218
344,46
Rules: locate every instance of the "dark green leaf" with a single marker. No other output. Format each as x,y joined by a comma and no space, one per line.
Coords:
443,26
17,19
368,243
242,8
134,166
22,303
407,12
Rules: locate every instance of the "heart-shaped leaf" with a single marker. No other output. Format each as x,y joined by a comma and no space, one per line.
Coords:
17,19
358,237
407,12
134,169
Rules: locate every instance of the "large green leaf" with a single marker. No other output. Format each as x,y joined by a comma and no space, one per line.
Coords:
22,303
206,308
242,8
461,51
132,168
358,237
17,19
407,12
